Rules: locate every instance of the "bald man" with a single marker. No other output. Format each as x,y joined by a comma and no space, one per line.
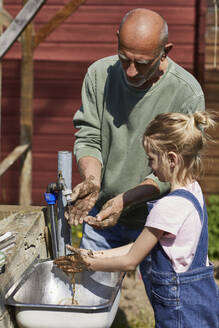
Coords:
121,94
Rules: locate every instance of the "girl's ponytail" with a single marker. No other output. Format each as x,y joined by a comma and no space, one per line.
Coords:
203,121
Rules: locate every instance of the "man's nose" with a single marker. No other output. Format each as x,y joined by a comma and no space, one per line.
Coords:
131,70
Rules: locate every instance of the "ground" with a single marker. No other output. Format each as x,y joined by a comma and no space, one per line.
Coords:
134,309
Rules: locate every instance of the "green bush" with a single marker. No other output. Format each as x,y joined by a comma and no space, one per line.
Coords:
213,226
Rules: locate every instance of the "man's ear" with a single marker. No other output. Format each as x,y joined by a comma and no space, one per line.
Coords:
117,33
167,49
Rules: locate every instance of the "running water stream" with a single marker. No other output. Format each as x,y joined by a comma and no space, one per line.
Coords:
74,302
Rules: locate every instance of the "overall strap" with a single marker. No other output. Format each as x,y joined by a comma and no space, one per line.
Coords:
202,247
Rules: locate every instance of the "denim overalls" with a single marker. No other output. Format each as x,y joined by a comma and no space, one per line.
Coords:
189,299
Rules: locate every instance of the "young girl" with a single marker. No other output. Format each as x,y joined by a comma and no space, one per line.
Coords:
184,293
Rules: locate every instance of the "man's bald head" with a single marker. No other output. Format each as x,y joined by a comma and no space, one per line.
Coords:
142,28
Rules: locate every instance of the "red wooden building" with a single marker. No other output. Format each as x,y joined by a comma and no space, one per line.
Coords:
60,63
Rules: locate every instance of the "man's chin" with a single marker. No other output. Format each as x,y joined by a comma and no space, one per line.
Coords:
132,83
136,84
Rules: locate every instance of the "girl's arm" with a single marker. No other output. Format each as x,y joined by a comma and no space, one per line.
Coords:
118,251
119,259
126,261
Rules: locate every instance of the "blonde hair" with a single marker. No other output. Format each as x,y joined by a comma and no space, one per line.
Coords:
182,134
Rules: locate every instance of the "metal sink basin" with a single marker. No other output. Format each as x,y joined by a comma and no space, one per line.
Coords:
43,298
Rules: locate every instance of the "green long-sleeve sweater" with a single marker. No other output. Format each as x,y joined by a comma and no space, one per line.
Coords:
113,118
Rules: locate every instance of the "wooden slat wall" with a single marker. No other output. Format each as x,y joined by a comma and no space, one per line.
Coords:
59,67
210,183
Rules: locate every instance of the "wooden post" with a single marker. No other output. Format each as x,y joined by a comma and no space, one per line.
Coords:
26,115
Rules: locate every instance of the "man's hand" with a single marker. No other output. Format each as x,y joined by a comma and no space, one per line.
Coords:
84,197
78,261
109,214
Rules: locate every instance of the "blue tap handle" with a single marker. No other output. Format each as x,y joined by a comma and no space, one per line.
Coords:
50,198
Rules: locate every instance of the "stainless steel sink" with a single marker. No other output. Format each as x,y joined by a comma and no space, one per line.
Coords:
42,298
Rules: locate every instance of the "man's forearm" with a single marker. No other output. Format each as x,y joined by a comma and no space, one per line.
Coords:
90,166
148,189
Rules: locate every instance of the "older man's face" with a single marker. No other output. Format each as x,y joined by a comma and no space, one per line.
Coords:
138,67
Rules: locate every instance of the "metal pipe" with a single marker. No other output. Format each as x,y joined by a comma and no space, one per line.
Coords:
53,232
63,228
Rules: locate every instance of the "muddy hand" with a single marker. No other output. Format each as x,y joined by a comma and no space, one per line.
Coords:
78,261
84,197
109,214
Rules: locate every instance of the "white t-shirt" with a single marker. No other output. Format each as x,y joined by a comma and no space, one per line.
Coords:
178,217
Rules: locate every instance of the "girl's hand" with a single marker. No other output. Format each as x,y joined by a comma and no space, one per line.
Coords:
84,197
78,261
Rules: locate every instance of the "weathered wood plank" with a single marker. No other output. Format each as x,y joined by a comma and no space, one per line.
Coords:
18,25
58,19
12,157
